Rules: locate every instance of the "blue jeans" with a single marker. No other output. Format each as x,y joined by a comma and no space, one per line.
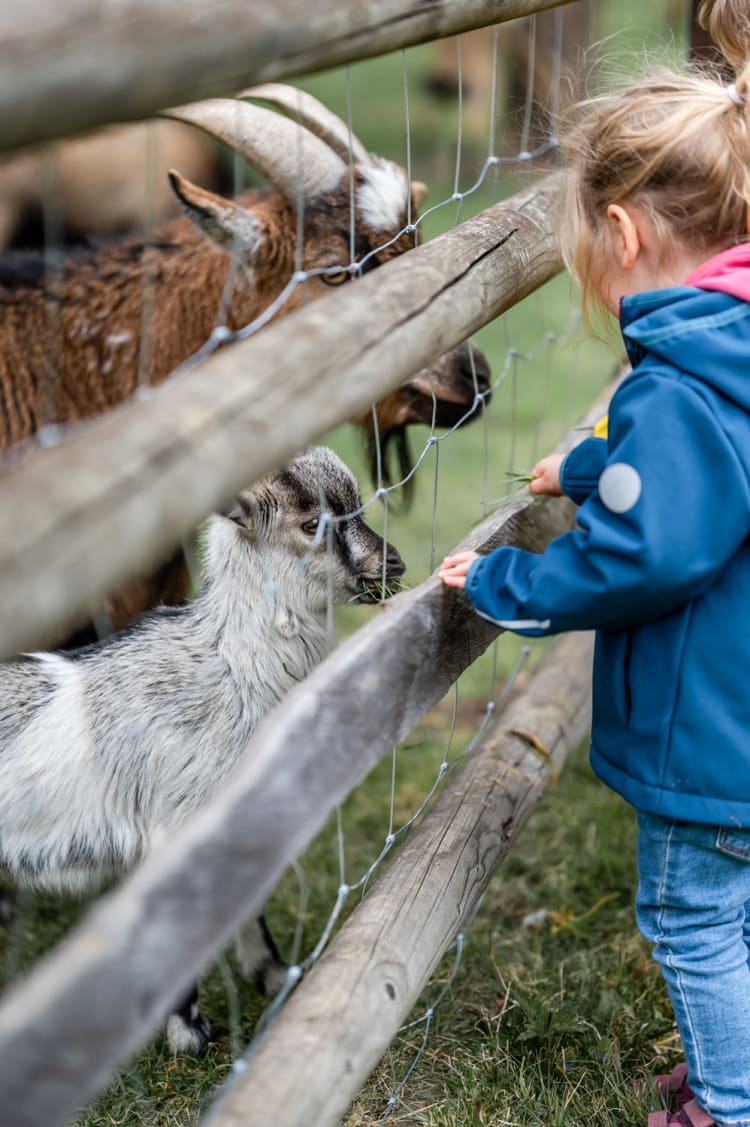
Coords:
693,903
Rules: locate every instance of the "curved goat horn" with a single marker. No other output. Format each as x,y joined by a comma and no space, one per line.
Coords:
289,156
299,105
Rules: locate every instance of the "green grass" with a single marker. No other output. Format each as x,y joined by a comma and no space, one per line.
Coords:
546,1026
556,1024
561,1023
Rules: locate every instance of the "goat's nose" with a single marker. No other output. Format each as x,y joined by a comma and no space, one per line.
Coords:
394,565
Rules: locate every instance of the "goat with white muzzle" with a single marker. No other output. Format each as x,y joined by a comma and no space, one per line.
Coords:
106,749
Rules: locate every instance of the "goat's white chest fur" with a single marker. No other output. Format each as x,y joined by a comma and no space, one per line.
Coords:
103,750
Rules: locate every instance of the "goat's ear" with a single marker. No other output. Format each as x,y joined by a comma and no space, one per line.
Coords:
223,222
243,511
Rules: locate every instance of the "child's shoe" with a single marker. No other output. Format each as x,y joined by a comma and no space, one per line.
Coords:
689,1115
675,1088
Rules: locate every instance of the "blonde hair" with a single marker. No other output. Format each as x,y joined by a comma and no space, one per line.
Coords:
728,24
676,144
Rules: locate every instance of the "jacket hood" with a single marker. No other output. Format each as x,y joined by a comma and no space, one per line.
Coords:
702,327
728,272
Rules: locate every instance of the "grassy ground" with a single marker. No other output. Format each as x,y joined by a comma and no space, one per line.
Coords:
543,1025
557,1014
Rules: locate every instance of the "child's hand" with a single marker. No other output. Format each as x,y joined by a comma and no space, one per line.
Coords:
454,569
546,475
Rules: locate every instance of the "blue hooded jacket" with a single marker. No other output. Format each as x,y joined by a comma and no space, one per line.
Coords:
659,563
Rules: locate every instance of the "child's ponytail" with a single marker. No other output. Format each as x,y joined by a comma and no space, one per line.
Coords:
728,24
676,144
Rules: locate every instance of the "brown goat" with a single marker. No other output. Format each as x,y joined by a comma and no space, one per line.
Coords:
79,341
106,182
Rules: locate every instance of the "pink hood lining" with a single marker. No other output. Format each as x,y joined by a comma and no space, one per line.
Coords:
728,272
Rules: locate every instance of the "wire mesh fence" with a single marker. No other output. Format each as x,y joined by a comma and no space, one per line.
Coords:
516,399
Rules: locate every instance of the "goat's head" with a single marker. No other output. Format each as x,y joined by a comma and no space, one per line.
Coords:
308,514
320,172
436,396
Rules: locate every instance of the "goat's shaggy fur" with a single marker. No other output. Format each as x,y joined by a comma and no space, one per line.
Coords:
78,342
105,750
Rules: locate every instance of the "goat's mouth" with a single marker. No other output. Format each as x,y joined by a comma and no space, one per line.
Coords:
446,408
372,589
450,414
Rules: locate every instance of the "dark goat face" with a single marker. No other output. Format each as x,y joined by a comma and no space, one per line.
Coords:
448,394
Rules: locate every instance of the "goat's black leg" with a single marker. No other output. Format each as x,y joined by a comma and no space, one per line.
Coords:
187,1029
7,908
259,958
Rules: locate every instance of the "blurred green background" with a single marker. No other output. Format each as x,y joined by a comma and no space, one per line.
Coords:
549,370
582,990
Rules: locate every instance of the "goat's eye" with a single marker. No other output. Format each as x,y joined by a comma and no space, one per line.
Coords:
336,278
311,526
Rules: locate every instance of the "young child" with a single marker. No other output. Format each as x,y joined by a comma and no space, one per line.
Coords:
655,225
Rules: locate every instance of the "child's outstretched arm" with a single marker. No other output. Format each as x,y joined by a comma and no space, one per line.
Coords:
454,569
641,547
575,474
579,471
546,476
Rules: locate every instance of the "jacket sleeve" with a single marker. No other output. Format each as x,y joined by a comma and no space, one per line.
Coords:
582,467
649,539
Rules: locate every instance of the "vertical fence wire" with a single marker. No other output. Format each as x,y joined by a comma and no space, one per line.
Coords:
505,386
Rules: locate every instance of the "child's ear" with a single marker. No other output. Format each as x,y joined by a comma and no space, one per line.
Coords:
625,234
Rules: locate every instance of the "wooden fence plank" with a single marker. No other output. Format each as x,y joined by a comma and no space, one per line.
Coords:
68,67
95,999
123,492
340,1020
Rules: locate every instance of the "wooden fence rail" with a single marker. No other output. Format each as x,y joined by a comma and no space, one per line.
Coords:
128,488
98,996
68,67
341,1019
122,493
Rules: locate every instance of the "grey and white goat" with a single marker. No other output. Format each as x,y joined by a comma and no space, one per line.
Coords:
106,749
